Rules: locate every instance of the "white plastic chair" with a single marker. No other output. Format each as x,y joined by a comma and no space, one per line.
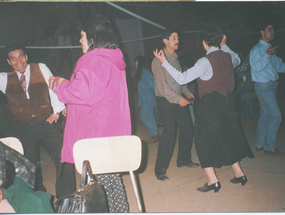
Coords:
13,143
111,155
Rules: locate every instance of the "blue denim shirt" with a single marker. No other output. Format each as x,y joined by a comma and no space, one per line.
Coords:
264,67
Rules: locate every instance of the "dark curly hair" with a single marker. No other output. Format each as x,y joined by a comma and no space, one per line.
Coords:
212,34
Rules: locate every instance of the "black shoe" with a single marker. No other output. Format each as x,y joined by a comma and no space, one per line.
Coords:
190,164
259,149
161,176
206,188
275,152
242,180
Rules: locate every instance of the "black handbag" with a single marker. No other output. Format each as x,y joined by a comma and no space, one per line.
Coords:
90,197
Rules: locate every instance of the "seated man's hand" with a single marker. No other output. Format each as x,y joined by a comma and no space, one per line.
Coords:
51,79
64,112
53,118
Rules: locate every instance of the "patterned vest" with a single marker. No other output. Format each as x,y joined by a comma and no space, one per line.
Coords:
222,80
22,108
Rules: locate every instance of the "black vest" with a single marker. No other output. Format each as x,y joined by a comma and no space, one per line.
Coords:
222,80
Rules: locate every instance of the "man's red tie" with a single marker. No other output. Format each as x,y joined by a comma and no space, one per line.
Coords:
23,82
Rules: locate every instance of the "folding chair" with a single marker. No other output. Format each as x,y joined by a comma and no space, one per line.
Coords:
13,143
111,155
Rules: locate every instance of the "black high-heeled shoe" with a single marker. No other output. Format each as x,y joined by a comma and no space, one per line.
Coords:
206,188
242,180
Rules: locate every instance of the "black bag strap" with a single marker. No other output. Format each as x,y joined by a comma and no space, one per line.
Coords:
86,168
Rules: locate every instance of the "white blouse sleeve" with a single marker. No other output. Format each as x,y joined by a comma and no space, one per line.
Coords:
202,69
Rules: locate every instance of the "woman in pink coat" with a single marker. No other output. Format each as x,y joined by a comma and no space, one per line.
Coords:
97,99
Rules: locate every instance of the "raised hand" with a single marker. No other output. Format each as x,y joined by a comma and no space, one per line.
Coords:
271,50
224,41
160,55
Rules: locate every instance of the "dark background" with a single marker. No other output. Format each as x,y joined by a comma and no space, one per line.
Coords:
37,24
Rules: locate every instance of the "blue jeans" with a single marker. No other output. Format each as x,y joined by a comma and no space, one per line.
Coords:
147,116
270,115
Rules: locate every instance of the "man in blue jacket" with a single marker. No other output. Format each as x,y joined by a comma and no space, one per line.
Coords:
265,66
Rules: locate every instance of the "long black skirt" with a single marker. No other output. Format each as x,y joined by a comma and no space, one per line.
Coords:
219,138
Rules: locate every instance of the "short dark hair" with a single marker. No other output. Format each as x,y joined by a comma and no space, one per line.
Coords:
264,25
212,34
100,33
13,47
166,33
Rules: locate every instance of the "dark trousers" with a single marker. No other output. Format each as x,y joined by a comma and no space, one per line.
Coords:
39,132
171,115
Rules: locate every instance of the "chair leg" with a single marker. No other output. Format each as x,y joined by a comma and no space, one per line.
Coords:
136,190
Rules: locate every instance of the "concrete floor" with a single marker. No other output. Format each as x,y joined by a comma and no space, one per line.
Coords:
264,191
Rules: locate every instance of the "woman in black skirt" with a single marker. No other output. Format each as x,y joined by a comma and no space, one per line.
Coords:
219,137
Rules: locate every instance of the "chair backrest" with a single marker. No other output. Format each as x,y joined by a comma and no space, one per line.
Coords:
109,154
13,143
